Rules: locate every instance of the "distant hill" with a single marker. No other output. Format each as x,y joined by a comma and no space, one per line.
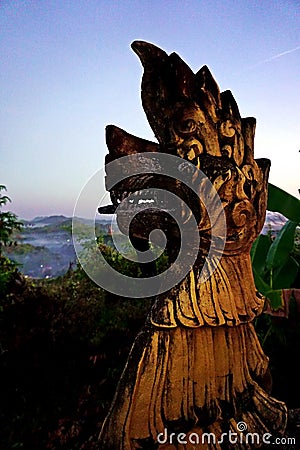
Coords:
274,221
45,220
41,221
46,247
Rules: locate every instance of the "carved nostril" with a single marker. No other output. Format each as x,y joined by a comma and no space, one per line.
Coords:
172,137
175,140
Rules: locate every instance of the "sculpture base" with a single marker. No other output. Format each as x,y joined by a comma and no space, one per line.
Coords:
183,387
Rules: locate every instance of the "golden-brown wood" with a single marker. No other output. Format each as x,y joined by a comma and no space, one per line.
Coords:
197,365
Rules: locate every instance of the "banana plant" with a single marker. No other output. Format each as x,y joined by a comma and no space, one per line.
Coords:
274,266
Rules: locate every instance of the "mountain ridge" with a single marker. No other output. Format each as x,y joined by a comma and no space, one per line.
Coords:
46,242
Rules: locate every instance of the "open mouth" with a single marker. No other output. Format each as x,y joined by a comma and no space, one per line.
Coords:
149,200
150,191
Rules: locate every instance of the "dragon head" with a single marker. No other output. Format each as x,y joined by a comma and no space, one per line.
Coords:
194,121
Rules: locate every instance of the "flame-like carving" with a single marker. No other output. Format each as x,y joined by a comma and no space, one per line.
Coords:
197,366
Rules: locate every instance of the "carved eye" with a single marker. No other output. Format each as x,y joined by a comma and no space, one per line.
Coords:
187,126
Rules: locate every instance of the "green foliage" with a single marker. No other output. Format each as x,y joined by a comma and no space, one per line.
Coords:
8,221
296,251
280,339
8,224
121,264
64,343
283,202
282,246
7,271
274,267
273,258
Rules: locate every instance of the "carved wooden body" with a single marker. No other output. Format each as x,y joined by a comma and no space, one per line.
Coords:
197,366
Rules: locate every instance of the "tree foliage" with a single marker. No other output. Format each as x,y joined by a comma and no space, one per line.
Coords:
274,263
8,221
64,343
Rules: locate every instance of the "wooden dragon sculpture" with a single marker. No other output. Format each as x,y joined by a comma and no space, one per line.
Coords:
196,370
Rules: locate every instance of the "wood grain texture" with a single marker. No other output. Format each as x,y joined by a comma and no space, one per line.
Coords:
197,365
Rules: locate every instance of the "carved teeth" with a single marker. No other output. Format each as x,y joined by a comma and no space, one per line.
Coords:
137,197
124,195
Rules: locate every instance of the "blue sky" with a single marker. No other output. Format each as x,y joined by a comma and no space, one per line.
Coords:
67,71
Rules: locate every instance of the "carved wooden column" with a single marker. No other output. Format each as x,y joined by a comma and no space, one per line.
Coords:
197,366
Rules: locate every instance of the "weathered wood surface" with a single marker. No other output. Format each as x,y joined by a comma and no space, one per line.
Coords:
197,366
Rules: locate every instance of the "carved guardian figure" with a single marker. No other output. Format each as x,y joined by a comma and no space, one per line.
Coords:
197,365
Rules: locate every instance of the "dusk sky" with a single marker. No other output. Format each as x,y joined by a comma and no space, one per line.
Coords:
67,71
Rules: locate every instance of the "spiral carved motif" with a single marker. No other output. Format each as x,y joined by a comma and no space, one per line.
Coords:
197,366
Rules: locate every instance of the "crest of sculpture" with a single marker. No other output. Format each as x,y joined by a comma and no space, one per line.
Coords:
196,371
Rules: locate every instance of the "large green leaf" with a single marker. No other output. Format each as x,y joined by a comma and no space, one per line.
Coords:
273,266
284,203
259,251
274,295
284,276
282,246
